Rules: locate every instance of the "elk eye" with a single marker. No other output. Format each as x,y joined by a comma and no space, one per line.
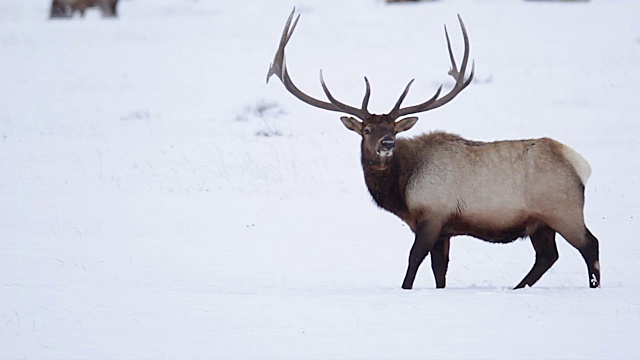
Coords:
367,131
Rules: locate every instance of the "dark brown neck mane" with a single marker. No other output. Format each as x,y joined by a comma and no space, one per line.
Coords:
387,187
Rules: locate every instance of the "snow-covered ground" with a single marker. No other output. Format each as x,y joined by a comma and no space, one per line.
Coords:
158,200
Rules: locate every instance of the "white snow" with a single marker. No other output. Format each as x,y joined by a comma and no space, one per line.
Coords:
158,200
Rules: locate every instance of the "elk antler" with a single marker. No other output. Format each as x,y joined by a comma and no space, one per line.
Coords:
460,84
279,68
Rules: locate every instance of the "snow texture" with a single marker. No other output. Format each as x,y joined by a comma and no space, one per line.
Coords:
158,200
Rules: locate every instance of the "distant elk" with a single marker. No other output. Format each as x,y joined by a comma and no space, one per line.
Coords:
442,185
67,8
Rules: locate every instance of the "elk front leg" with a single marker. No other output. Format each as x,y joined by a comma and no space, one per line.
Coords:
440,261
426,236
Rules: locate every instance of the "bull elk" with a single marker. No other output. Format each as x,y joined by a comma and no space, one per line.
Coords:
443,185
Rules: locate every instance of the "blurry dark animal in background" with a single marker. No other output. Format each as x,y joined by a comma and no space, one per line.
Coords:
67,8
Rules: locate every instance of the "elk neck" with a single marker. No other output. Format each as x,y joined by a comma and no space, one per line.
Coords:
387,182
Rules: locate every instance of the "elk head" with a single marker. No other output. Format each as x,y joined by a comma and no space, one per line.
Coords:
378,137
378,131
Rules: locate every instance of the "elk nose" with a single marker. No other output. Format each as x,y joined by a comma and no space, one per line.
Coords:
387,143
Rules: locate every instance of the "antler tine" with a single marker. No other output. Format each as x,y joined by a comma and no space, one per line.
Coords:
458,75
279,68
406,91
361,113
396,112
465,58
276,67
454,69
367,94
402,96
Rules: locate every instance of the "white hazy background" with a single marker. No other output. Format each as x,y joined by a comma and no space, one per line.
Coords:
158,200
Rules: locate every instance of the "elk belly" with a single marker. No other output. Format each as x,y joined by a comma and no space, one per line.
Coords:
502,226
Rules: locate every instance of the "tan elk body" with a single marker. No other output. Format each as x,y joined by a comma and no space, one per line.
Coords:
497,187
443,185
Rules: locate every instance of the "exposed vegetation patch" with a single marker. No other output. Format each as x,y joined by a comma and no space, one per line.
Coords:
264,112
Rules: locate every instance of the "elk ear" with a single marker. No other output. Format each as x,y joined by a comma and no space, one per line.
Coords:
405,124
352,124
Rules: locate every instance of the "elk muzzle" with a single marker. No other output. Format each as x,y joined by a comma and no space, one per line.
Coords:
385,146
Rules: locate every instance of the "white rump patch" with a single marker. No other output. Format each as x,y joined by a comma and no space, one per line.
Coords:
579,163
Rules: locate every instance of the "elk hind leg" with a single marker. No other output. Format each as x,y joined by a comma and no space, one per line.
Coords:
587,244
544,243
590,253
440,261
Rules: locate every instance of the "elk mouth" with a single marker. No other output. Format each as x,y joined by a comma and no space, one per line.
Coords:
383,153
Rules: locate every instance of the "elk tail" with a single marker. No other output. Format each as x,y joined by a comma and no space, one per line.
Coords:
579,163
